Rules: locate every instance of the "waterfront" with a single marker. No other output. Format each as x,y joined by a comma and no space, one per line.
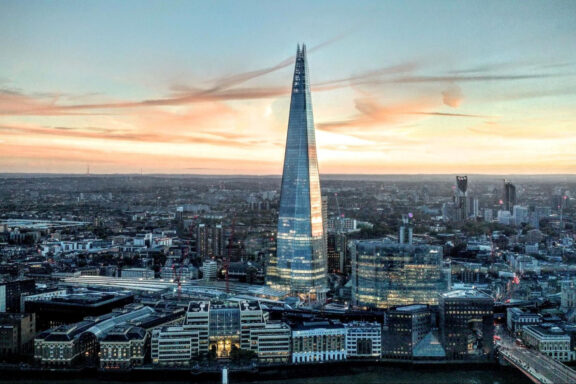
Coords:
391,375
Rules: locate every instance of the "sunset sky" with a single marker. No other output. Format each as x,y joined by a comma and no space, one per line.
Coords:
202,87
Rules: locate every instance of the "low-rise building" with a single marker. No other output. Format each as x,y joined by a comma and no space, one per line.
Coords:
549,340
363,340
271,343
124,347
517,319
175,346
137,273
17,332
316,341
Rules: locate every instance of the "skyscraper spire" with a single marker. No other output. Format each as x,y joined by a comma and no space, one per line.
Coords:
300,265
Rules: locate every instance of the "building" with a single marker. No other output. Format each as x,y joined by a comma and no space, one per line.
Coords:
549,340
271,343
225,325
72,308
209,240
406,231
467,324
386,274
301,265
508,196
363,340
316,341
12,291
407,326
124,347
209,270
568,294
79,343
337,252
517,319
461,198
521,215
137,273
175,346
17,331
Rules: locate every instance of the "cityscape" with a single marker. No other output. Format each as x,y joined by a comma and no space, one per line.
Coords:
136,245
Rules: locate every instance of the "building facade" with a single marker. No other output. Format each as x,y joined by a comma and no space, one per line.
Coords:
467,324
301,264
549,340
363,340
317,341
386,274
407,326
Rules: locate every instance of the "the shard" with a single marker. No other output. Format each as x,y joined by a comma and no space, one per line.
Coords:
300,265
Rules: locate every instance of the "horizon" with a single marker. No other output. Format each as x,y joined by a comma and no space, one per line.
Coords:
410,88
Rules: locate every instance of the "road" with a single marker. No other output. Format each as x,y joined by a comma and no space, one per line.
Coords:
541,367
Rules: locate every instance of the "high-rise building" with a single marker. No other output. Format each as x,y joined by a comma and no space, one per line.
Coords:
405,231
461,198
509,195
386,274
301,265
209,241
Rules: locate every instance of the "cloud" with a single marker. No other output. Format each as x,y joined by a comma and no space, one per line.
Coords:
372,113
452,96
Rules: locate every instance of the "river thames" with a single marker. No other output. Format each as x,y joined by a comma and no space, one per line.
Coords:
391,375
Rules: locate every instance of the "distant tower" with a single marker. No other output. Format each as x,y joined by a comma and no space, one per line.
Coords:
301,263
461,198
405,232
509,195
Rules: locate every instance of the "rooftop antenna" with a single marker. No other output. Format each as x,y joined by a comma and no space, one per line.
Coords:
88,169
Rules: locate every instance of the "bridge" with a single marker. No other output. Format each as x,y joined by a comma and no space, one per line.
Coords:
538,367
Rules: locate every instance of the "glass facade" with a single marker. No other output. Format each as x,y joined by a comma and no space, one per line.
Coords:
300,266
386,274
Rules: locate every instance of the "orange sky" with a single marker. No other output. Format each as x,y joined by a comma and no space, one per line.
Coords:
392,98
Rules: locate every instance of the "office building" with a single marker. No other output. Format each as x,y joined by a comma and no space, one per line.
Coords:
508,195
517,319
12,291
175,346
461,202
124,347
386,274
316,341
271,343
467,324
549,340
301,265
363,340
137,273
406,231
338,252
224,325
17,331
407,326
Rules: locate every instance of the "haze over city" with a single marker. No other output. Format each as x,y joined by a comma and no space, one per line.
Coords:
202,88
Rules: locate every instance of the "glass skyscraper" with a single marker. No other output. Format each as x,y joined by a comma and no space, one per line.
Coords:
300,265
386,274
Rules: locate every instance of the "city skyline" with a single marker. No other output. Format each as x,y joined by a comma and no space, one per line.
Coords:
411,88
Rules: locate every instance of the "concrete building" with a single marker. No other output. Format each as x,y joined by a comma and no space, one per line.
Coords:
467,324
137,273
363,340
271,343
17,331
316,341
209,270
11,293
175,346
517,319
124,347
549,340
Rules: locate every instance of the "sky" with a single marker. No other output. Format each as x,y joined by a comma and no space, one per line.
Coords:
202,87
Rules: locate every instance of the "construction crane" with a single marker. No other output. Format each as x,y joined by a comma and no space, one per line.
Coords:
340,216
